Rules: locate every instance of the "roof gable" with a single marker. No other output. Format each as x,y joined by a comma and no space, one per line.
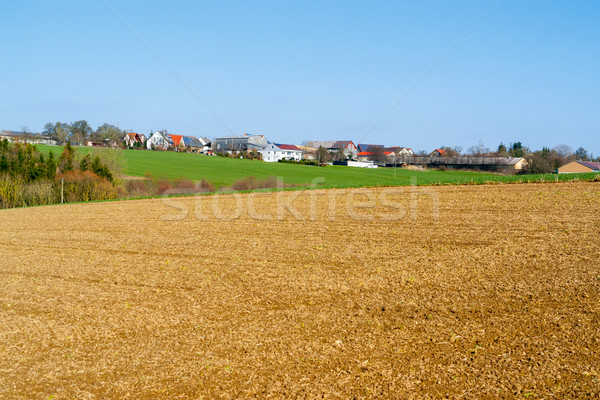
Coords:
176,139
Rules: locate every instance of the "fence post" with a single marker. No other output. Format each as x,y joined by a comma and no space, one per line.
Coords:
62,190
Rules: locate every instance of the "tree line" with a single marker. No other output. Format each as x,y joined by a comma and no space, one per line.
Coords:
79,132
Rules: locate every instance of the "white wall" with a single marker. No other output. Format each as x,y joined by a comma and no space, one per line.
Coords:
361,164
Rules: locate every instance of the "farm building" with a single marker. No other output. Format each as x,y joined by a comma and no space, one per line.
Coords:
464,162
239,143
579,166
275,152
516,163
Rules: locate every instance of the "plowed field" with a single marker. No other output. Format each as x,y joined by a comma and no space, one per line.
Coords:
495,295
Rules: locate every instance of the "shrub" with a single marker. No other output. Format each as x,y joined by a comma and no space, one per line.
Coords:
10,191
40,193
163,186
136,188
205,186
151,186
251,183
16,192
86,186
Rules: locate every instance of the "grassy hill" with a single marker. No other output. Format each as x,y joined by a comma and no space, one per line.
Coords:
224,171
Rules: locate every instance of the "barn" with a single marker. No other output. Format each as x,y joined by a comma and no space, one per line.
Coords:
579,166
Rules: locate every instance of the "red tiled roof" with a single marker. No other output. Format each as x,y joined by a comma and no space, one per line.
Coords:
342,144
176,139
288,147
370,153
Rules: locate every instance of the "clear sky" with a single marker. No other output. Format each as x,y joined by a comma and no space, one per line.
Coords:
316,70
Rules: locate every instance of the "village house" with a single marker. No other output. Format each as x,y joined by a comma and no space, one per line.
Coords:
275,152
437,153
159,140
206,145
192,143
347,146
369,155
371,151
131,138
402,151
362,147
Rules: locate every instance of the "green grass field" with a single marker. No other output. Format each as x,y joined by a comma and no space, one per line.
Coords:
224,171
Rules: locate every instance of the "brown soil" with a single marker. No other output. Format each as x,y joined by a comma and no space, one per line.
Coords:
497,299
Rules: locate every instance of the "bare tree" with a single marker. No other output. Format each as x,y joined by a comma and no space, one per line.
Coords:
339,155
451,151
27,136
377,154
109,133
80,131
479,150
323,155
564,151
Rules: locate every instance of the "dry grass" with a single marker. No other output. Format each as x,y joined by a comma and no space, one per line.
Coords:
500,297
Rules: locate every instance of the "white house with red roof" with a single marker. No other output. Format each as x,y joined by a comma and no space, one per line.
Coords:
131,138
275,152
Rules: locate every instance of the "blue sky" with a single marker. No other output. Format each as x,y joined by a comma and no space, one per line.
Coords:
295,71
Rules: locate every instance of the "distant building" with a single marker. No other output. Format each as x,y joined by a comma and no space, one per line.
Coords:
309,153
347,145
193,143
131,138
367,147
206,145
438,153
238,143
579,166
369,155
402,151
27,137
516,163
159,139
275,152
